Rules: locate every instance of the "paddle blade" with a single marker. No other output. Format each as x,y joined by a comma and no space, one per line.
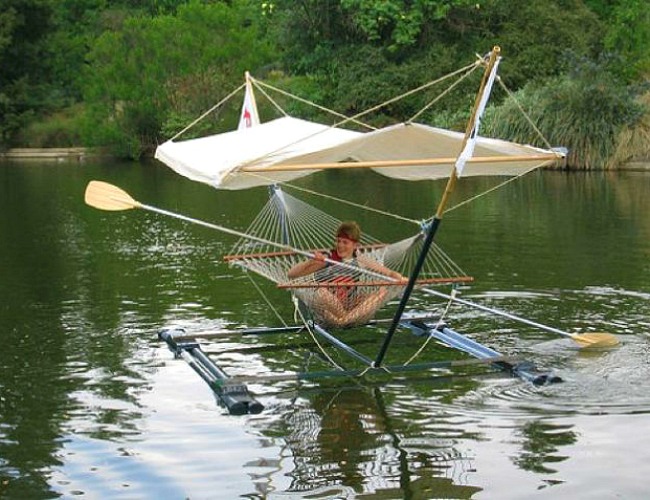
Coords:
595,339
105,196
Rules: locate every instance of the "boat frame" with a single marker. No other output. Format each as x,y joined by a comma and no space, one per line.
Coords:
233,392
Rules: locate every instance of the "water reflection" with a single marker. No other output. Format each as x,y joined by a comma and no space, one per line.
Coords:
541,443
380,444
348,437
91,403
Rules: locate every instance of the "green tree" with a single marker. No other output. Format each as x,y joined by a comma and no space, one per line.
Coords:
76,24
627,35
360,53
397,24
24,78
144,74
43,53
539,39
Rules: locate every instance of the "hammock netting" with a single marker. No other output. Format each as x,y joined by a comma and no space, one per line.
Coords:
341,294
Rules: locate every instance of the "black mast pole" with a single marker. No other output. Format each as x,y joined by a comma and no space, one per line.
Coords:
435,222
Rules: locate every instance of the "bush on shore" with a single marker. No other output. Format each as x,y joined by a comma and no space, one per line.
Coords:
585,111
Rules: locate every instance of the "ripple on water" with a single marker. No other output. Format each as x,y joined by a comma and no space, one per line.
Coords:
612,382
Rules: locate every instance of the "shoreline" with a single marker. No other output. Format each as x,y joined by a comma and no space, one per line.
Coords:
50,154
636,166
81,154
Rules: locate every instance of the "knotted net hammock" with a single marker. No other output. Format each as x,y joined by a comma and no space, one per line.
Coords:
289,231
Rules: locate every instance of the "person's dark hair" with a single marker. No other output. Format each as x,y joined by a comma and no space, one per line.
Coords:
349,230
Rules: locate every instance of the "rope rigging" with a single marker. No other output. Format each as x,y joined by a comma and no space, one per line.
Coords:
287,230
363,284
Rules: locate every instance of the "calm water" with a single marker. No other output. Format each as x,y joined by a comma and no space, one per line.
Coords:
93,405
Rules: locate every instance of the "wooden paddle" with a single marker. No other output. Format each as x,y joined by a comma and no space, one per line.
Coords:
590,339
105,196
595,339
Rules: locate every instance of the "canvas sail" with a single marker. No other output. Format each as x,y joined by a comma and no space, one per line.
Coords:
218,159
288,148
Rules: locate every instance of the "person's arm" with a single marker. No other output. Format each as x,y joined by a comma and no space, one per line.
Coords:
375,266
307,267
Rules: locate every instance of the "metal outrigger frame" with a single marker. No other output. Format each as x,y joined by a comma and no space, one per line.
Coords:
233,392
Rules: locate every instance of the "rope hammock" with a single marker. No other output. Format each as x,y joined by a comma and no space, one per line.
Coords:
341,294
287,231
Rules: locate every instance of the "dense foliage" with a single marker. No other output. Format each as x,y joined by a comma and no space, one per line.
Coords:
584,111
24,27
127,74
165,68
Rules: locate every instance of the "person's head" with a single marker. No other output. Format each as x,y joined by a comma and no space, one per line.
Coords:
347,238
349,230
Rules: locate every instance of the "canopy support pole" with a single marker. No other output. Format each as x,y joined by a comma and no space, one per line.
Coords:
397,318
470,133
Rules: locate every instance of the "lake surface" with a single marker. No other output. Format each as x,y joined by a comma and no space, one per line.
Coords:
94,405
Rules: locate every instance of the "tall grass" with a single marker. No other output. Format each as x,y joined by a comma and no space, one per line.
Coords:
585,112
634,141
58,130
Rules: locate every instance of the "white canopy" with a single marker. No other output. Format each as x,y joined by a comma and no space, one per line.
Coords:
218,159
289,148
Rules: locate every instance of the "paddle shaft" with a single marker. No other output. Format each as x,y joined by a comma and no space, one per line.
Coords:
233,232
105,196
497,312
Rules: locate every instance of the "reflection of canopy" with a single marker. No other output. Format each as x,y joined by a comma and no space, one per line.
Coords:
289,148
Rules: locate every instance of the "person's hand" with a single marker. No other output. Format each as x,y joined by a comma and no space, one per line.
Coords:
398,276
319,257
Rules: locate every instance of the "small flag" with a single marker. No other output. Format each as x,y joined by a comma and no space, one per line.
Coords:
468,150
248,117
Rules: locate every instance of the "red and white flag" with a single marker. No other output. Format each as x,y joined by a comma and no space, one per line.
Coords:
249,117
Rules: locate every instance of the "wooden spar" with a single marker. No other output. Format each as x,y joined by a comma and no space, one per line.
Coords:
266,255
105,196
334,284
424,162
263,255
433,227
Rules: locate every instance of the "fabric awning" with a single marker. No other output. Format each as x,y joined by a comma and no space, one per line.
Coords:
288,148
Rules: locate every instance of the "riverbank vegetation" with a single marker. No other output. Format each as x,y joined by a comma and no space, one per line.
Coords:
124,75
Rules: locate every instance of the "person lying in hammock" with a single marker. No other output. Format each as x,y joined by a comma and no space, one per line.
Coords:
341,305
